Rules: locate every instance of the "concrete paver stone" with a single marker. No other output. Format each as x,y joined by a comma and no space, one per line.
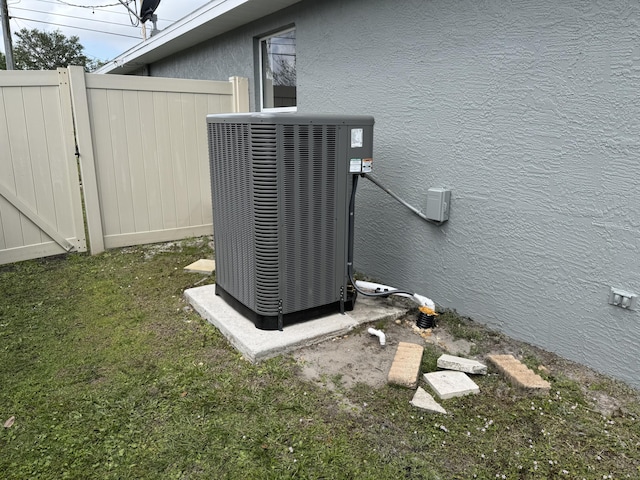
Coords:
449,362
448,384
519,374
203,265
405,368
425,401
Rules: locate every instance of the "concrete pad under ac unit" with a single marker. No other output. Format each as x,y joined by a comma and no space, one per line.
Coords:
256,345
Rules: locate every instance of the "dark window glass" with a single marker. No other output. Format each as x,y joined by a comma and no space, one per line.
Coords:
278,56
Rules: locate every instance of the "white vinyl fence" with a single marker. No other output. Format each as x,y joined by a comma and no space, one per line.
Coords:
40,207
142,151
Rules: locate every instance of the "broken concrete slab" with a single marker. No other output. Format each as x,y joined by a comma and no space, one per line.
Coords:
448,384
459,364
405,368
518,374
257,345
203,265
422,399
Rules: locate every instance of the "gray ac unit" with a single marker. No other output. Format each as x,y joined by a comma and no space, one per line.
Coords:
280,187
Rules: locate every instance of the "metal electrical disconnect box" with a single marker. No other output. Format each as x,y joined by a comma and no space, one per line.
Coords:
438,201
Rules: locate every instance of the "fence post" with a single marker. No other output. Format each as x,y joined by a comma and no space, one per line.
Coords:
240,87
87,161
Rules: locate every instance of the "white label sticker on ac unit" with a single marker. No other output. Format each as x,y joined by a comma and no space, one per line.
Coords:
356,137
367,163
355,165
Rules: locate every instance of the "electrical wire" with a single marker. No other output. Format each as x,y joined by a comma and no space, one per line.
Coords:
133,15
135,19
111,12
77,28
70,16
352,207
93,6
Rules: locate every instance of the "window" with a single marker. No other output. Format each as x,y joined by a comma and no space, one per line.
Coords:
278,71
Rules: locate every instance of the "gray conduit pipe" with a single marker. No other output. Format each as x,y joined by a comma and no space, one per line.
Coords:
394,195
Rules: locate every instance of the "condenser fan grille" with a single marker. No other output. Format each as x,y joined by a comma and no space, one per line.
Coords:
229,145
265,204
309,196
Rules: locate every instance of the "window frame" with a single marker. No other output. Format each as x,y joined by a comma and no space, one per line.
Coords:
261,73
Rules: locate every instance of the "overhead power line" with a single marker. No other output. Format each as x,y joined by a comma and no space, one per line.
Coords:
133,12
107,10
69,16
92,6
77,28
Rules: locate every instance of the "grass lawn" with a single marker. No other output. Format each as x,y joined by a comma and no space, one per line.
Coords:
108,374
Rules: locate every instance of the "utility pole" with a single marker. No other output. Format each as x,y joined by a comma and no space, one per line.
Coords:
6,33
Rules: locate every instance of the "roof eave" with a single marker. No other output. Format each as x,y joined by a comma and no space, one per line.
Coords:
210,20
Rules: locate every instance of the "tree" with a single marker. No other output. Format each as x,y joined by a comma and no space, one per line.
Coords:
38,50
284,71
94,65
3,61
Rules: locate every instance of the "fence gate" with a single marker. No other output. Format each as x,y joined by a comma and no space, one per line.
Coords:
143,154
40,205
141,148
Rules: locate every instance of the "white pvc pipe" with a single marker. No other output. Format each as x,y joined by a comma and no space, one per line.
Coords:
378,287
424,301
379,334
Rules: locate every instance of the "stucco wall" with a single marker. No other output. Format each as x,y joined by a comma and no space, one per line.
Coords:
528,111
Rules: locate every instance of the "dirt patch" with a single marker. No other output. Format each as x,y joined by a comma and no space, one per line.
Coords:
359,358
354,358
341,363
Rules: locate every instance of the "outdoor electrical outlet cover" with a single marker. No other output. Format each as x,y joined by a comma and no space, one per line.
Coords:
623,299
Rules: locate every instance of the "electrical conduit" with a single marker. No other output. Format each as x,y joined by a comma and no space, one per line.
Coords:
379,288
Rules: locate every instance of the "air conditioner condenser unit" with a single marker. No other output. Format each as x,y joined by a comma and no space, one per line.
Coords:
281,184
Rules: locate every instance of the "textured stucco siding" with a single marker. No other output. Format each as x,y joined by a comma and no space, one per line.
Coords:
528,111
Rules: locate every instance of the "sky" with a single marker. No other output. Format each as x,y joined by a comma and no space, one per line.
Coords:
103,26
